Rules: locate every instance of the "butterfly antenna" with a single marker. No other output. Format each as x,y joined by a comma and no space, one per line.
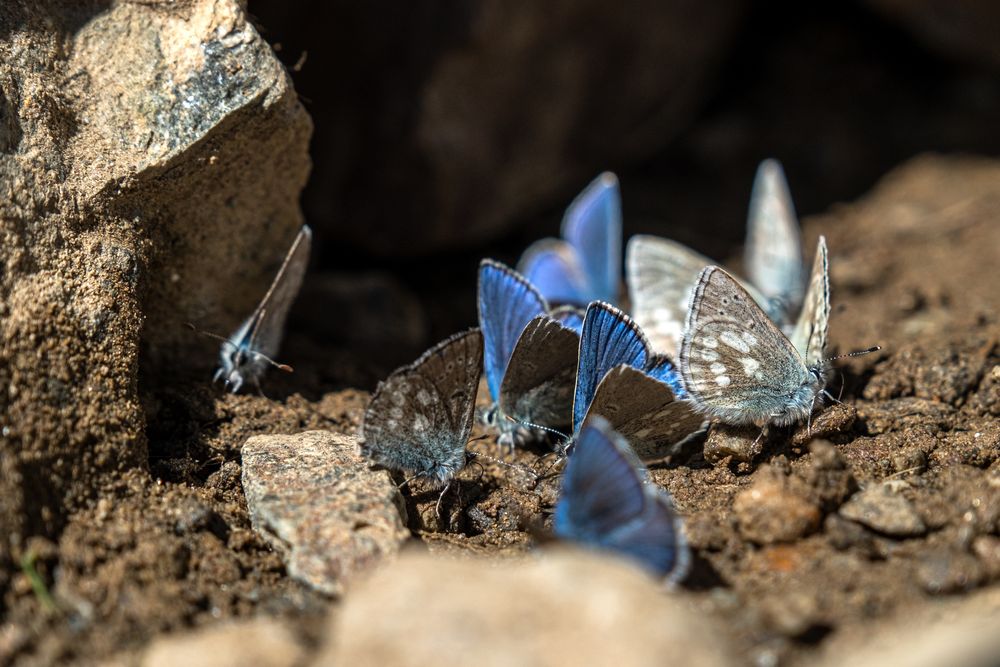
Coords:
279,366
500,462
857,353
222,339
539,427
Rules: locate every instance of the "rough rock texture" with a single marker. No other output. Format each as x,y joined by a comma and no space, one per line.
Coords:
883,510
965,29
262,642
453,119
320,504
136,140
536,612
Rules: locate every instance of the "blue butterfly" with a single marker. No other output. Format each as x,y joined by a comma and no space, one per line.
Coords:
529,355
585,265
248,352
608,502
638,392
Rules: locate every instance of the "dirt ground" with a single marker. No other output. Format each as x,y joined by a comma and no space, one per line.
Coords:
913,270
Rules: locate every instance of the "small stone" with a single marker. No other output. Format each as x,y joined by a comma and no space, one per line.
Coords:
838,418
567,607
913,460
260,641
884,511
948,571
987,550
729,442
828,477
792,614
769,511
319,504
844,534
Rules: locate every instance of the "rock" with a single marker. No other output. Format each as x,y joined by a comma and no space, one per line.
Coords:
733,443
791,614
452,124
532,612
260,641
828,477
987,550
942,571
143,147
960,633
884,511
838,418
963,28
770,511
315,500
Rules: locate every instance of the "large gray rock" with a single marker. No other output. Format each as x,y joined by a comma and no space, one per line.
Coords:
565,608
447,122
151,155
322,506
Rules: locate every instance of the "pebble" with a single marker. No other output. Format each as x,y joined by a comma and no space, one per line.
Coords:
733,443
987,550
769,511
948,571
321,506
828,476
425,610
838,418
884,511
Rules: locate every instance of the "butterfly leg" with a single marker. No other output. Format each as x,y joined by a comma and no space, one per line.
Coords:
440,503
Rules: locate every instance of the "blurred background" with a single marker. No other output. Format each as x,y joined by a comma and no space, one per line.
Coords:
446,131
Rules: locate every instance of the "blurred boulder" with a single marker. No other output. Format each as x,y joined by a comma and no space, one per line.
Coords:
441,123
151,156
566,608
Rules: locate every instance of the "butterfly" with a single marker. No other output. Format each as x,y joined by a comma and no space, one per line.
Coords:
529,355
738,366
608,502
620,378
246,354
660,272
585,264
419,418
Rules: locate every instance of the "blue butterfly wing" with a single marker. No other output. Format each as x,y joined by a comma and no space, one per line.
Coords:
593,227
609,339
662,368
553,267
601,489
507,302
607,502
654,539
569,317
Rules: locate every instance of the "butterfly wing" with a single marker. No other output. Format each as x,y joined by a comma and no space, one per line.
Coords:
809,336
645,411
609,339
420,417
570,317
607,502
267,325
593,226
661,275
507,302
773,247
601,489
737,366
553,266
538,385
